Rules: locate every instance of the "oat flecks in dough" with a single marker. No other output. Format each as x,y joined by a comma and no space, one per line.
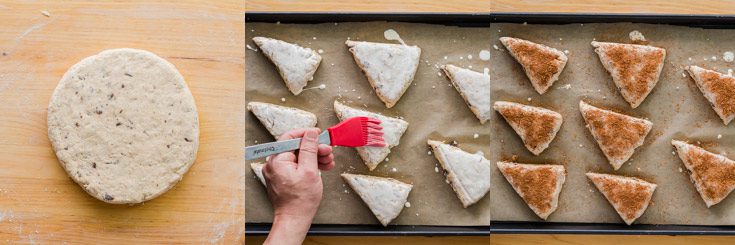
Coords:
635,69
713,174
629,196
393,129
390,68
385,197
281,119
718,88
474,87
469,174
538,185
296,64
124,125
542,64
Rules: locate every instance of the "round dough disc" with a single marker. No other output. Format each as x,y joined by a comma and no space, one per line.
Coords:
124,125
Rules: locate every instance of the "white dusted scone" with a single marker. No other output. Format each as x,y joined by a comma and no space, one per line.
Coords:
635,69
629,196
384,196
257,168
542,64
474,87
718,88
393,129
713,174
538,185
617,135
281,119
469,174
389,68
536,126
296,64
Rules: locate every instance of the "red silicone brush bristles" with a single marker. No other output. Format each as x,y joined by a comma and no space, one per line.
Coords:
357,131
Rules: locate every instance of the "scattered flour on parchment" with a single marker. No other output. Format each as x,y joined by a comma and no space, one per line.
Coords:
636,35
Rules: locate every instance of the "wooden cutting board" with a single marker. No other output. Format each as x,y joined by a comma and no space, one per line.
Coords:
39,203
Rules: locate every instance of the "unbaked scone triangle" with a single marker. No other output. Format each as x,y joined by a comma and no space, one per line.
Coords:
718,88
389,68
713,174
385,197
296,64
538,185
542,64
617,135
257,168
474,87
629,196
635,69
536,126
281,119
393,129
469,174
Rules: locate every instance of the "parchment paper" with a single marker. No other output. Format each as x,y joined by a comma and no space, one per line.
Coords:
676,107
431,105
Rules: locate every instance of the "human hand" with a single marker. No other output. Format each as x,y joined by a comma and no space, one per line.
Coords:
295,186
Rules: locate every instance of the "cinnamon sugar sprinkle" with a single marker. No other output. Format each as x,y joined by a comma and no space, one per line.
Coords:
540,64
714,174
724,90
539,126
616,133
634,78
629,197
535,186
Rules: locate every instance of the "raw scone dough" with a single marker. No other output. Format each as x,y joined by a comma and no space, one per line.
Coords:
124,125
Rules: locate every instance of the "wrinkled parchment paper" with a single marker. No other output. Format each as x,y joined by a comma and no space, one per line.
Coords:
431,105
675,106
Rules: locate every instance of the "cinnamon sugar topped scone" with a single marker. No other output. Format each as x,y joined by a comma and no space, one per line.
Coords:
629,196
617,135
718,88
542,64
713,174
536,126
538,185
635,69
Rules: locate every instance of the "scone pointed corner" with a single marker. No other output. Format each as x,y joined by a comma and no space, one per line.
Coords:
538,185
390,68
257,168
537,127
474,87
635,69
542,64
468,173
713,174
629,196
718,89
295,64
618,135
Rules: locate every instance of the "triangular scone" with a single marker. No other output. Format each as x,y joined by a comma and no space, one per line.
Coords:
296,64
388,67
384,196
257,168
628,195
542,64
280,119
393,129
718,88
538,185
469,174
713,174
634,68
474,88
536,126
617,135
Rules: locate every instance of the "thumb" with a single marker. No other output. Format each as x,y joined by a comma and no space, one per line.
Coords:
308,149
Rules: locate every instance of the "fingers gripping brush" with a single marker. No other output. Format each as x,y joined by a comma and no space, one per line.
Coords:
353,132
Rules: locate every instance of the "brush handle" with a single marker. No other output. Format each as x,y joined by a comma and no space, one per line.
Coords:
272,148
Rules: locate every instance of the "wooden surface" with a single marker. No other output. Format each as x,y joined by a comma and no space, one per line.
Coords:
591,6
39,203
